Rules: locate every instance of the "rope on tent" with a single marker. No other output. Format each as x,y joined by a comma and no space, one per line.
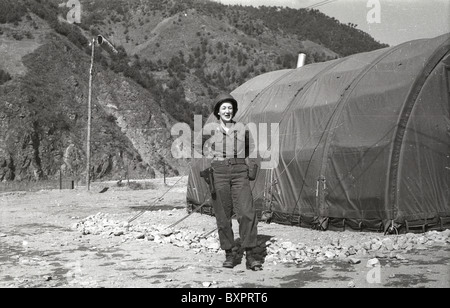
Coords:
210,232
183,218
160,198
391,229
156,200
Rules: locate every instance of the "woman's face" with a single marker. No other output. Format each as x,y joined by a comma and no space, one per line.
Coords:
226,112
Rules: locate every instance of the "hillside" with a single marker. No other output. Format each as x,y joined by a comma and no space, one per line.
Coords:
173,57
44,114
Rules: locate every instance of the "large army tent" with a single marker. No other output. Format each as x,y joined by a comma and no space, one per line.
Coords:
364,141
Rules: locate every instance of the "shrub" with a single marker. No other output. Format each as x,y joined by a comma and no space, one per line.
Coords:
133,185
111,118
11,11
4,76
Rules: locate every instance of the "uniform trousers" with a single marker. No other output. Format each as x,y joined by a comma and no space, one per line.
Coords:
234,196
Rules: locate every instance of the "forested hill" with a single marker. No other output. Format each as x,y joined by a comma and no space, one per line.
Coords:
313,25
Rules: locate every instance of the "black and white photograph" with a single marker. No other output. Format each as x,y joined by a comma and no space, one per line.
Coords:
224,151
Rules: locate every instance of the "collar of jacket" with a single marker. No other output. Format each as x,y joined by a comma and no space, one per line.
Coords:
222,130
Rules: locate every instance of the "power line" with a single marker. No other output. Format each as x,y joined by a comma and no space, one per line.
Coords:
313,6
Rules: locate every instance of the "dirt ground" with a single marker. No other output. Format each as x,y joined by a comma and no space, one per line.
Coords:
41,249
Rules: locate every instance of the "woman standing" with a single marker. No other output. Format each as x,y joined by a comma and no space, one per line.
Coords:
233,169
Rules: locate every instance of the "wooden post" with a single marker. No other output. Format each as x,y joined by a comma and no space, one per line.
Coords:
164,170
128,170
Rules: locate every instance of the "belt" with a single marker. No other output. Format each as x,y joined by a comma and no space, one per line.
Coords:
228,161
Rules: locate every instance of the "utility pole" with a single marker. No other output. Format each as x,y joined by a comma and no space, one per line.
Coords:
88,142
99,40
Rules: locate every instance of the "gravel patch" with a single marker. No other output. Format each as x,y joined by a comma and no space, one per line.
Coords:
318,246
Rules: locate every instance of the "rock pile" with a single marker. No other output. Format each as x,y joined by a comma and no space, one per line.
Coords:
102,224
388,246
274,250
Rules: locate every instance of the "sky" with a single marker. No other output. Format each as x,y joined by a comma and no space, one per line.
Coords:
388,21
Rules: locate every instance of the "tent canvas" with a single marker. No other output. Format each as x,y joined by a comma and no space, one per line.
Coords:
364,141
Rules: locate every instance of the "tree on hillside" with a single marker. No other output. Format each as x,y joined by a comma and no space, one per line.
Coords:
4,76
11,11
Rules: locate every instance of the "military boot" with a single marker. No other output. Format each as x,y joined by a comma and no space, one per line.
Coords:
252,263
229,260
